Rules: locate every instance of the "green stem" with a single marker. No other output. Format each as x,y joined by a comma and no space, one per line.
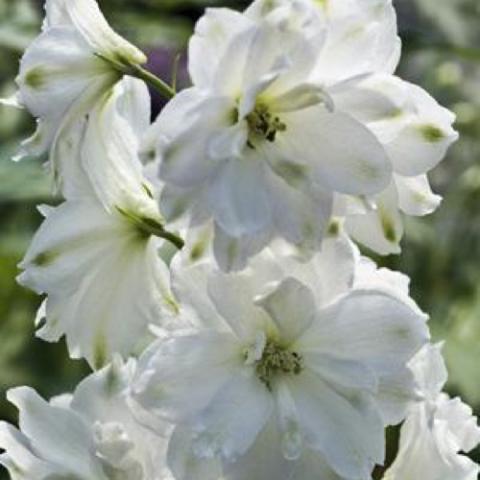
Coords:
148,226
137,71
162,87
172,238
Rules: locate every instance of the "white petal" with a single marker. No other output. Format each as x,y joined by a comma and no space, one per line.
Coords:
97,271
233,296
368,326
301,211
423,143
424,454
303,96
231,422
56,14
135,105
90,22
348,431
289,53
213,33
58,435
463,426
358,26
39,142
313,465
415,130
263,460
344,373
206,360
238,198
55,70
189,283
430,370
415,196
184,464
184,158
233,253
291,306
381,230
109,153
335,150
19,457
229,142
396,393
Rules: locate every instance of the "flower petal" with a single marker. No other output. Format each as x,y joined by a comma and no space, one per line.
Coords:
207,360
213,33
55,70
336,151
415,197
90,22
184,157
58,435
358,26
97,271
372,327
182,461
233,253
263,460
381,229
338,426
19,456
109,152
238,198
291,306
236,415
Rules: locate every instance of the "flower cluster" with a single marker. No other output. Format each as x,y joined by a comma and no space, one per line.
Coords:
206,265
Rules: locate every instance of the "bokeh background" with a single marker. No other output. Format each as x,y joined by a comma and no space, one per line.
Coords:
441,253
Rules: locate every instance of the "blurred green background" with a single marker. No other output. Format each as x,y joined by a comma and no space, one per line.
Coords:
441,253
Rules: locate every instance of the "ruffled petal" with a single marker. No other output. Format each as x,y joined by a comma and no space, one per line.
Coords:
371,327
213,32
97,271
381,229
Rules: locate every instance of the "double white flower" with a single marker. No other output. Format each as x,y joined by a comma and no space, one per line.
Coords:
287,124
91,434
97,256
65,72
437,428
286,370
295,132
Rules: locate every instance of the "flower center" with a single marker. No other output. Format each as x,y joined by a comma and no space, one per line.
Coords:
262,125
277,360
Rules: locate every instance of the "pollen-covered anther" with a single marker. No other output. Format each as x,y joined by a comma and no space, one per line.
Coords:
277,360
263,125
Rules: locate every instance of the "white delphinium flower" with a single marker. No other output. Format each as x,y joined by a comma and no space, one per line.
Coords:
91,434
65,71
437,428
96,256
356,66
255,146
287,371
350,51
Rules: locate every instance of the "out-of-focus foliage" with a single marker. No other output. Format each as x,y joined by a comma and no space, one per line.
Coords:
441,253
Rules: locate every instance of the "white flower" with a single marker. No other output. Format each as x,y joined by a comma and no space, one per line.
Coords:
414,130
97,255
255,145
286,370
66,70
340,122
91,434
437,428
